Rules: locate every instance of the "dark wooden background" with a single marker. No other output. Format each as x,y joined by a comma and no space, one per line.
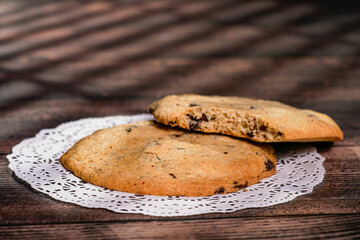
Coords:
66,60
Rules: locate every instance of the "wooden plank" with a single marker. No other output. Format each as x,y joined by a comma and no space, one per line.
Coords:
170,28
288,227
305,78
28,104
339,193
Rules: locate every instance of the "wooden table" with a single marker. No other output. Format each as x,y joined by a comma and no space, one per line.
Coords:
66,60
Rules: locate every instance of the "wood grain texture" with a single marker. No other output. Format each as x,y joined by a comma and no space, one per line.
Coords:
28,106
288,227
338,193
66,60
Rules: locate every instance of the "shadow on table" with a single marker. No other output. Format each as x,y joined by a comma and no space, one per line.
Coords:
139,49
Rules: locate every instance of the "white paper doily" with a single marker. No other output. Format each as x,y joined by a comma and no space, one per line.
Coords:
36,160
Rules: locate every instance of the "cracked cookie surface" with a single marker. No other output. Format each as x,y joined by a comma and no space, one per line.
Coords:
258,120
151,158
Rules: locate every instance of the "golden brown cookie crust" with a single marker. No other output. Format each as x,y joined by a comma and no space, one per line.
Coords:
150,158
258,120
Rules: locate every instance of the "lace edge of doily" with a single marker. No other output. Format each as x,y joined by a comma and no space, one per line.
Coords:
12,166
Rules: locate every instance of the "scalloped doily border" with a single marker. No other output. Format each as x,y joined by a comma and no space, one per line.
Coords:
284,186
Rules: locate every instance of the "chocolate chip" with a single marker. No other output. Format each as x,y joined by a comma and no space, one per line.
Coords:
263,128
269,165
177,135
220,190
128,129
194,125
151,110
280,134
172,175
204,118
193,104
240,185
225,152
192,117
253,107
212,118
250,134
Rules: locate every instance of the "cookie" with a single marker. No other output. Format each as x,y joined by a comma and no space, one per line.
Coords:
258,120
154,159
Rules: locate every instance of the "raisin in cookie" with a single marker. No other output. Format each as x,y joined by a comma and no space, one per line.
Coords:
258,120
151,158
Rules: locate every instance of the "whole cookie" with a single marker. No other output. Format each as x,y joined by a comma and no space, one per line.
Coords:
258,120
149,158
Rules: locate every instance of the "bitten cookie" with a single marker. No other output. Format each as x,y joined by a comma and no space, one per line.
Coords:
150,158
258,120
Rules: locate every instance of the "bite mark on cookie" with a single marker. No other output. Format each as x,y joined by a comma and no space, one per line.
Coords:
233,124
